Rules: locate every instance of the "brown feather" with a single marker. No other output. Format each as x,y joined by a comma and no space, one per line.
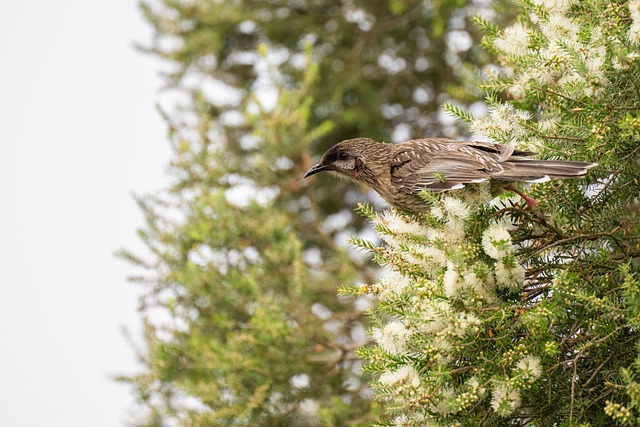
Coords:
398,172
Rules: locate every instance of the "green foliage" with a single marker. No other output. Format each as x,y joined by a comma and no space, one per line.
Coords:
496,315
457,112
254,333
243,326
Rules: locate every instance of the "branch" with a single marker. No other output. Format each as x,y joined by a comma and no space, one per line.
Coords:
573,385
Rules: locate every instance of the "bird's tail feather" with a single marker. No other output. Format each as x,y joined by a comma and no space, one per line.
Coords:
532,170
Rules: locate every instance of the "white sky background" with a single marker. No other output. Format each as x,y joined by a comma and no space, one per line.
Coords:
78,134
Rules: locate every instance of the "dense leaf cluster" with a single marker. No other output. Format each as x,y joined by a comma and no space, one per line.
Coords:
243,325
563,350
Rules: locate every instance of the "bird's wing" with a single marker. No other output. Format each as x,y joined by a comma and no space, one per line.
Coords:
441,164
495,148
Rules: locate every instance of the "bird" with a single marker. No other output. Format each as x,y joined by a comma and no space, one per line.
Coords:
399,172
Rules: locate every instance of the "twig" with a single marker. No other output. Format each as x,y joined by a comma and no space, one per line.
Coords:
573,385
561,242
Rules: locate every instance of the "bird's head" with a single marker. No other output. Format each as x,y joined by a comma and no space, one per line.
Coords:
346,159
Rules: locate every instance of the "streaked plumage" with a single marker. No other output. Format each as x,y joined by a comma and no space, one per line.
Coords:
399,171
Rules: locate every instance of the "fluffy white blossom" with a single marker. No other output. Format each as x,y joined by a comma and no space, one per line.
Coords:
309,408
437,212
454,280
474,383
530,366
518,89
483,290
496,242
514,40
454,230
619,65
554,5
391,240
571,78
547,123
450,281
392,337
444,405
390,285
433,234
504,400
402,420
435,316
455,212
398,224
595,59
510,277
501,118
431,254
455,207
406,374
463,323
476,195
634,29
560,27
442,345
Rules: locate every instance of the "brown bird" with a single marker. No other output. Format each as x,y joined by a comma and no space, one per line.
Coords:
399,171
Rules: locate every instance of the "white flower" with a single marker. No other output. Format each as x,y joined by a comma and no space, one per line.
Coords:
435,317
450,281
437,212
406,374
411,420
496,242
472,280
474,383
504,400
398,224
543,74
462,323
571,78
503,118
477,195
455,230
510,277
392,337
619,65
401,225
517,89
530,365
560,27
555,5
455,207
634,29
432,234
442,346
390,240
432,254
547,124
482,290
508,71
309,408
390,285
444,406
514,40
595,59
402,421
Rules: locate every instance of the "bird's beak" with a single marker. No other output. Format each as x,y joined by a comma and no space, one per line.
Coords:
318,167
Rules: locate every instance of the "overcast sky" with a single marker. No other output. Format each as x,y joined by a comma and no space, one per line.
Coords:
79,134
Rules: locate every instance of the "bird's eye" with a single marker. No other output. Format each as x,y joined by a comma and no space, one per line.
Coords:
343,156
